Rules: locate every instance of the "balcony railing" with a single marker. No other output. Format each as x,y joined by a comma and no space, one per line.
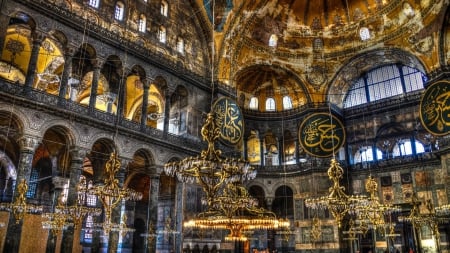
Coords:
15,93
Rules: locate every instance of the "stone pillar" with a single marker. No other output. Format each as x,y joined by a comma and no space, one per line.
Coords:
261,151
178,237
113,241
144,106
297,152
94,84
3,29
269,201
281,151
28,145
76,165
244,142
52,238
167,106
121,96
67,72
153,208
31,72
110,98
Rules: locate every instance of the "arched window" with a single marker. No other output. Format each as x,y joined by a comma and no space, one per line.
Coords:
253,103
364,33
94,3
287,103
164,8
273,40
119,11
365,154
384,82
180,45
404,147
270,104
162,34
142,23
318,44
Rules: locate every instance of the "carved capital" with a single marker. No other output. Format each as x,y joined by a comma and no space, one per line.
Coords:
269,200
38,37
78,153
97,63
28,143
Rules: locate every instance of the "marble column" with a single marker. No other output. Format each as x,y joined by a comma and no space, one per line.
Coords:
32,64
144,106
28,145
67,72
53,236
94,84
167,106
153,208
178,237
4,19
76,164
116,214
261,151
122,95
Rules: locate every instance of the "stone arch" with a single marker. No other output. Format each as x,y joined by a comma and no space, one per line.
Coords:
257,191
99,155
283,202
360,64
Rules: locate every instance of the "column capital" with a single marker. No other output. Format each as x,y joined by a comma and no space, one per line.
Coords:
97,63
269,200
70,50
28,142
78,153
38,37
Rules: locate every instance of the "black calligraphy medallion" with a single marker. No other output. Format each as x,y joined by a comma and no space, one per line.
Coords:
320,135
229,119
435,108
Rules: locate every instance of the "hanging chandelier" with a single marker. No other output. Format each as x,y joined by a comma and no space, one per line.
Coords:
235,210
337,201
210,170
111,194
78,211
229,205
369,212
58,220
19,207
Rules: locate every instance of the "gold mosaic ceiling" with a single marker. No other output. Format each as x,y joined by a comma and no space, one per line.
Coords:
315,41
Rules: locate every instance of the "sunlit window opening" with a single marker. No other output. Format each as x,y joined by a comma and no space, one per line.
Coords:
270,104
162,34
94,3
384,82
287,103
364,33
180,45
253,103
273,40
164,8
142,23
404,148
365,154
119,10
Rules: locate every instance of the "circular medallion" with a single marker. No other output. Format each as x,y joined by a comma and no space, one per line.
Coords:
229,119
435,108
321,135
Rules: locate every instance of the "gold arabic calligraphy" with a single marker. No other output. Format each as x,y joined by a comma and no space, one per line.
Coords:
229,121
436,108
320,134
